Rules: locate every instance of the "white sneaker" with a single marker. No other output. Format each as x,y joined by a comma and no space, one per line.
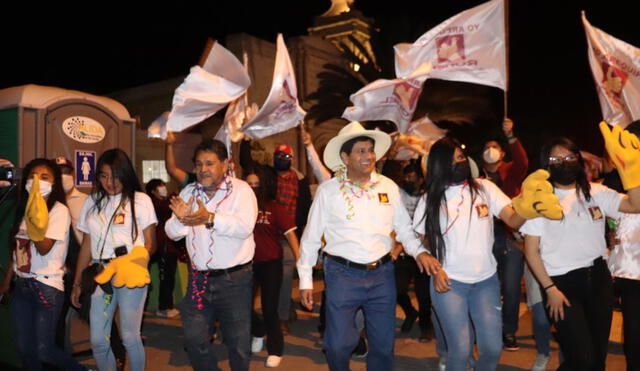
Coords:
257,344
540,364
442,364
273,361
172,313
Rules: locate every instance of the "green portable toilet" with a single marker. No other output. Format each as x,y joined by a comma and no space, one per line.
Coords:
42,121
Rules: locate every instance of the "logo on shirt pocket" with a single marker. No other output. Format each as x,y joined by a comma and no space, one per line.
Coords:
383,198
118,219
482,210
596,213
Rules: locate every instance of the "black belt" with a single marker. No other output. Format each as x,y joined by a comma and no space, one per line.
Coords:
366,267
220,272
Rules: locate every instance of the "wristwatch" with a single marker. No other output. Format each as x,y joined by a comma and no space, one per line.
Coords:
209,223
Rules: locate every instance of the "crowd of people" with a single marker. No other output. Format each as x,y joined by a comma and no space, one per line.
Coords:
463,236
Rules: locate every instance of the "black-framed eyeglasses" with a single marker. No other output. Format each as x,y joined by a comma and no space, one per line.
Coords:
557,160
283,155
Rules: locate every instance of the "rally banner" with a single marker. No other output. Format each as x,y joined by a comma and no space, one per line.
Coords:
281,111
468,47
207,89
394,100
616,70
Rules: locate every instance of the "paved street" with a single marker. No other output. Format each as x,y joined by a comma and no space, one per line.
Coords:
164,346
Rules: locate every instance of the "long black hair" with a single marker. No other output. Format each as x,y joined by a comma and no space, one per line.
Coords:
57,192
121,169
267,190
438,178
582,184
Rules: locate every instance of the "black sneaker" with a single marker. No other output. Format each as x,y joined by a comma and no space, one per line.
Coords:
408,322
509,343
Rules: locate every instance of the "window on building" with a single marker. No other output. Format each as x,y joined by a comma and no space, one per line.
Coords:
154,169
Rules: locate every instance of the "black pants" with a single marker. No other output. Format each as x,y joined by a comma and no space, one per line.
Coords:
630,294
407,270
583,335
268,276
167,264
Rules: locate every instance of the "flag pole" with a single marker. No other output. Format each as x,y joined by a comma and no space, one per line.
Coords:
205,52
506,53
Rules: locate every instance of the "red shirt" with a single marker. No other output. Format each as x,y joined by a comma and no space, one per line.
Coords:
273,222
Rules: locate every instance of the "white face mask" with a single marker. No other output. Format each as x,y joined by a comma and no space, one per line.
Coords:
491,155
45,187
162,191
67,182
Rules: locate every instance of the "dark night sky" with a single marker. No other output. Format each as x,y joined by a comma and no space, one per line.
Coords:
100,50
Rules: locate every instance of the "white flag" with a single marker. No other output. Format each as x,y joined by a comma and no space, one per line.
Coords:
281,111
468,47
421,134
616,70
394,100
158,128
208,89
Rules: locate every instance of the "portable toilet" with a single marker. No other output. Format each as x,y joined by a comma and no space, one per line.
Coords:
42,121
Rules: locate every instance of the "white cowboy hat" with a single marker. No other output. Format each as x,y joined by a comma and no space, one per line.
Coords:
354,129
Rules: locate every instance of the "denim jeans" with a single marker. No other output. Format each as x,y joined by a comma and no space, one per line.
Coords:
541,328
347,290
583,334
510,268
131,306
468,305
227,298
36,311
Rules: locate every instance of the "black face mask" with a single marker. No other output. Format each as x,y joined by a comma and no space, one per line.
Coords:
281,164
460,172
565,173
409,187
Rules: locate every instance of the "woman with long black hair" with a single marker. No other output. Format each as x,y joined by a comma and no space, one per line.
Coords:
118,222
566,255
456,218
40,239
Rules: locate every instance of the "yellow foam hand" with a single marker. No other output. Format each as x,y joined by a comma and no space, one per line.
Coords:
130,270
36,213
537,198
624,150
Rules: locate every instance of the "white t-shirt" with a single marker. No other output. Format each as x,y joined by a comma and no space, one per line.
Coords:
578,238
95,224
624,258
48,268
467,230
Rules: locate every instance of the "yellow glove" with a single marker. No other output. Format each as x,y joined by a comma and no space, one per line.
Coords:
624,149
537,198
130,270
36,214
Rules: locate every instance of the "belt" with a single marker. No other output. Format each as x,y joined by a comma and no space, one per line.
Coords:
365,267
220,272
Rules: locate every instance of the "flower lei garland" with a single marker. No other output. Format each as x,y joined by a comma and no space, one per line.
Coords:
350,189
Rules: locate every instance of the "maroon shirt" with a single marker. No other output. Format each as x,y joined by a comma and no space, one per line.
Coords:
270,227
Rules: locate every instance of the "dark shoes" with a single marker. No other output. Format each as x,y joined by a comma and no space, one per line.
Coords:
408,322
509,343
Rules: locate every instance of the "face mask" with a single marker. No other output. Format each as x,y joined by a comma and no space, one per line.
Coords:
491,155
67,182
565,173
409,187
162,191
460,172
281,164
45,187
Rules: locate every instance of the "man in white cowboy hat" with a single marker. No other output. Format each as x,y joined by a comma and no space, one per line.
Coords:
356,212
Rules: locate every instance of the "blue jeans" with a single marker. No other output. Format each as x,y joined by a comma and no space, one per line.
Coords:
347,290
131,305
36,311
466,305
541,328
227,298
510,268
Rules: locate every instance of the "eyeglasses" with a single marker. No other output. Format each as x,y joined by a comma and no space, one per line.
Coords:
557,160
283,155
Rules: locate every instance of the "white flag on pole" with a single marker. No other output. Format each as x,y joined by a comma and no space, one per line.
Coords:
394,100
158,128
281,111
468,47
207,89
421,134
616,70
